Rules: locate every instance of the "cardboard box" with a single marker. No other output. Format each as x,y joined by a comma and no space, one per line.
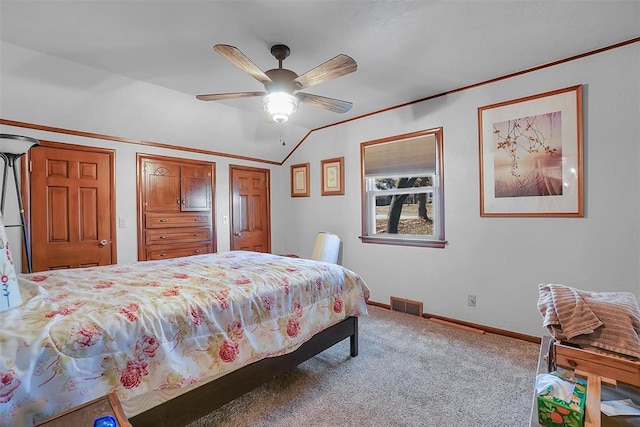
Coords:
554,412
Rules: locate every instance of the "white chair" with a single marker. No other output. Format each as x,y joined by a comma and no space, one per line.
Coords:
327,248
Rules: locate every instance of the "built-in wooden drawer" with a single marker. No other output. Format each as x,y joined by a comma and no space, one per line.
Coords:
165,220
177,235
175,251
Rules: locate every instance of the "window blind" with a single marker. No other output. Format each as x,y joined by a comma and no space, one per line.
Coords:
408,157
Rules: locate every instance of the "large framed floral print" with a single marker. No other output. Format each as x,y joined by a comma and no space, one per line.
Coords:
531,155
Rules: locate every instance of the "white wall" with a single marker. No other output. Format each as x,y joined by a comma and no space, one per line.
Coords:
501,260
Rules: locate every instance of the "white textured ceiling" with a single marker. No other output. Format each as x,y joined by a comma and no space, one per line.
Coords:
405,50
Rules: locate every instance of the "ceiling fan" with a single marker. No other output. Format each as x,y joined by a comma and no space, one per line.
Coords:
281,85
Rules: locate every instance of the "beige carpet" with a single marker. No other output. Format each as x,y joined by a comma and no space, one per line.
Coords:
409,372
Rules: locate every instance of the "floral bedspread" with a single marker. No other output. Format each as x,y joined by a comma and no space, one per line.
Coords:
153,325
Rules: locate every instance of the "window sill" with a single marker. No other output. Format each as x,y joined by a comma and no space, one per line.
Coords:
400,241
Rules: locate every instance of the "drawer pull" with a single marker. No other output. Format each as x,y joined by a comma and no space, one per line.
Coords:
197,234
198,219
197,251
162,237
163,255
164,220
572,363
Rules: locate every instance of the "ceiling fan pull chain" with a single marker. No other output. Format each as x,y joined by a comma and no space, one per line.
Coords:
281,133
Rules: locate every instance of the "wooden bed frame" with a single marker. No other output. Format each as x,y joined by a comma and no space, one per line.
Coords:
202,400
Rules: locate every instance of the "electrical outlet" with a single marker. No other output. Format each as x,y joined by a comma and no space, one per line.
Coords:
471,300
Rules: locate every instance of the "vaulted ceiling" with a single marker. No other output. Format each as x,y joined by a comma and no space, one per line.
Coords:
405,50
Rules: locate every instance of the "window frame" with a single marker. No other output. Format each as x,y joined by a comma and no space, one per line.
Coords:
368,211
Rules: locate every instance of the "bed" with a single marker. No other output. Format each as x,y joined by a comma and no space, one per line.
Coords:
174,339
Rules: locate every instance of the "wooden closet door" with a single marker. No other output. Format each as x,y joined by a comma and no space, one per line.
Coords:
162,186
196,188
250,209
71,216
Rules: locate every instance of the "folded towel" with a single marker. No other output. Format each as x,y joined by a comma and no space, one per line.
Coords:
565,309
596,320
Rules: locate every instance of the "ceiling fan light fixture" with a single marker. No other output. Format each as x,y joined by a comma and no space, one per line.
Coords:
280,105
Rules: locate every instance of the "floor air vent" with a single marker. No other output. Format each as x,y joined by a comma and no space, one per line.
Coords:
406,306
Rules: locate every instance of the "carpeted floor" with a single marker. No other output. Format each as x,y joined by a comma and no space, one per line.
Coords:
409,372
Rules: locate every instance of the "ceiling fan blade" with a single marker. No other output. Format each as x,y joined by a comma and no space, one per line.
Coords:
330,104
241,61
221,96
335,67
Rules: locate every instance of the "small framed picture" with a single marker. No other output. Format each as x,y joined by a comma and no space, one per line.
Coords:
332,176
300,180
531,156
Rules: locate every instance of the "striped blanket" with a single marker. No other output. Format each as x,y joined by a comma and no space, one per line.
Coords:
607,321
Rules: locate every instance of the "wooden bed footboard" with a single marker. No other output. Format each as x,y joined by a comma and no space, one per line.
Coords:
197,403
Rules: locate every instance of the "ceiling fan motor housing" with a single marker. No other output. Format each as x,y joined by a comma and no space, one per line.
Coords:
282,80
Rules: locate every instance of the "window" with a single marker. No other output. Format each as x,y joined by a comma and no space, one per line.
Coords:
402,190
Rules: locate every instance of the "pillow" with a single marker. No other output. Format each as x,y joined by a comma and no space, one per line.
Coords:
9,291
